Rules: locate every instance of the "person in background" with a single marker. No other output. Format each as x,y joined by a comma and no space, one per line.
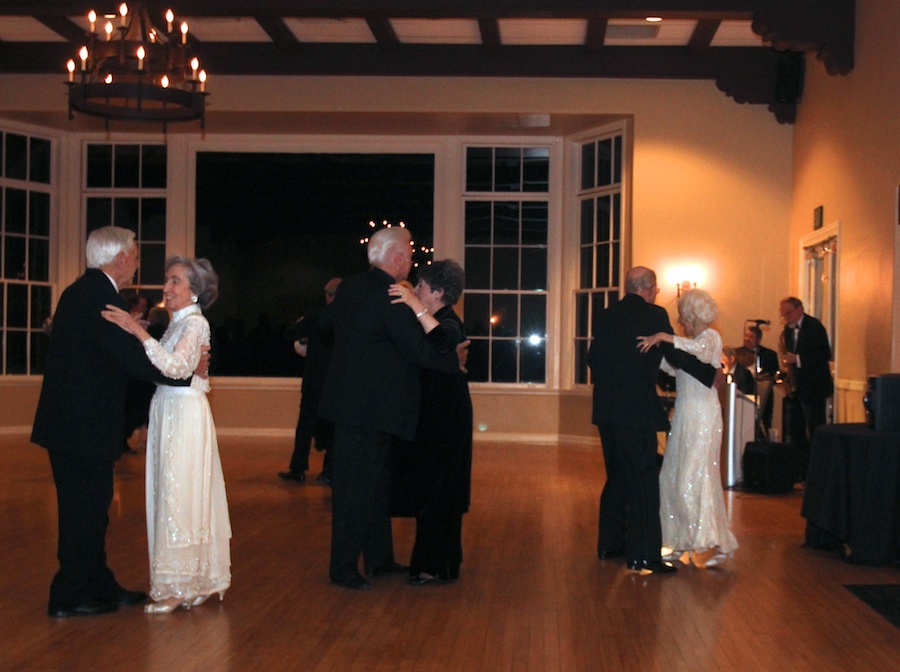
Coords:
737,373
188,527
434,473
316,345
763,365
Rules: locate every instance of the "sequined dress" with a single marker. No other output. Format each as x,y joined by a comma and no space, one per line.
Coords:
188,528
692,503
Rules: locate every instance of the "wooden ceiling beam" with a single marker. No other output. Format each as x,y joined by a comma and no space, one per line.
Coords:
596,34
490,33
703,35
384,33
276,29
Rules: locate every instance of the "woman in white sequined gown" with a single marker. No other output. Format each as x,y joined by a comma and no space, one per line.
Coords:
188,527
692,503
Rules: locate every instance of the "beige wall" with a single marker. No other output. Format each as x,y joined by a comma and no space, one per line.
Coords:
847,159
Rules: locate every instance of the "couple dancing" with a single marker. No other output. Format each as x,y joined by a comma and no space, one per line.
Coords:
682,508
80,418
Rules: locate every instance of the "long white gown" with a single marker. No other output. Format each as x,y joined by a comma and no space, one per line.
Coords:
692,503
188,527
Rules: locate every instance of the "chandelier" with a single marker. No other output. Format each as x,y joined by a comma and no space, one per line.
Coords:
135,72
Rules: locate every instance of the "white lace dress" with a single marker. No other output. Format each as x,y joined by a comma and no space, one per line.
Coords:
188,527
692,503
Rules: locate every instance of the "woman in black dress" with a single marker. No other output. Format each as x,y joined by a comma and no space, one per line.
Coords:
433,475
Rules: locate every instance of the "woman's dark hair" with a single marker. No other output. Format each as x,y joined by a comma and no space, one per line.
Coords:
201,276
447,275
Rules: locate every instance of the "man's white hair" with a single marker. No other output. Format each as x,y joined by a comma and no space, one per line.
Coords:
104,244
385,241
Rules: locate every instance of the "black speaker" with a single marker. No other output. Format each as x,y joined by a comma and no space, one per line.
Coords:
882,402
789,77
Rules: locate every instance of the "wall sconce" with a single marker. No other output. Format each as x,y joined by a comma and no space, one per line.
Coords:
684,286
685,277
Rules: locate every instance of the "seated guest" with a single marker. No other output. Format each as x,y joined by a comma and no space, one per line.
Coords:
735,372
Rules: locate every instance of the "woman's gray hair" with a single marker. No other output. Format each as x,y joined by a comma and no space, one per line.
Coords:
696,307
447,275
104,244
387,240
202,278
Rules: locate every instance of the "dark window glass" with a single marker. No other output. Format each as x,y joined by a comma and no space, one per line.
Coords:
507,169
534,269
581,315
153,166
614,254
534,316
153,219
16,156
478,268
532,362
617,160
16,352
40,305
39,259
477,363
99,167
587,221
603,265
14,258
15,207
503,361
534,223
126,213
39,343
536,169
478,223
153,259
588,159
505,315
604,162
99,213
479,169
617,216
587,267
506,223
39,166
603,213
477,314
17,306
506,268
127,167
581,366
39,214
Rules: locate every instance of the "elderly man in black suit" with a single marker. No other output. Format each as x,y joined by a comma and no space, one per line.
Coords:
629,413
371,393
80,420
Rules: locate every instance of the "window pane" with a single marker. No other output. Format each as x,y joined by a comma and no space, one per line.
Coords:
39,214
153,219
587,267
534,269
14,258
40,161
505,315
153,167
581,315
40,306
603,267
99,166
603,230
153,259
478,268
506,268
16,156
38,259
604,162
617,216
533,362
127,166
477,363
506,223
508,169
534,223
479,169
581,367
17,306
477,314
503,362
16,352
125,213
617,159
614,254
587,165
99,213
478,223
536,169
15,218
534,316
587,221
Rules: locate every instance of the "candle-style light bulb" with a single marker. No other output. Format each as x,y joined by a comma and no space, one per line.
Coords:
184,32
70,66
195,63
202,77
123,12
108,78
170,17
83,55
109,30
164,82
140,55
92,19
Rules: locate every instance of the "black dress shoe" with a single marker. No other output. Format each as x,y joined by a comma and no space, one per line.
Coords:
426,581
611,554
292,476
385,570
125,598
652,566
356,582
89,608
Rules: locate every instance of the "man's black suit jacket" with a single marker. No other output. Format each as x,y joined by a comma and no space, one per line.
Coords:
768,359
624,377
373,380
813,377
81,409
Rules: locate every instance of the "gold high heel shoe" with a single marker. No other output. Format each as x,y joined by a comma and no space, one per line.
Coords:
166,606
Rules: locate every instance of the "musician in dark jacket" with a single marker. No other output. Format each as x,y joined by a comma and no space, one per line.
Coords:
80,420
433,474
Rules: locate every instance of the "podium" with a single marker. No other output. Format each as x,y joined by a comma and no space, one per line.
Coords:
738,429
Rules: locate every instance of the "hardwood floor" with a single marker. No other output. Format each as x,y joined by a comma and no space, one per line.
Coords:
532,596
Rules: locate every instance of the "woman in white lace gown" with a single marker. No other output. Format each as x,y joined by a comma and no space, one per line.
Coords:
188,527
692,503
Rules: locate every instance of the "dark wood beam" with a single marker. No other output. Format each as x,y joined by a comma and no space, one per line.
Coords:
703,35
384,33
490,33
596,34
62,26
276,29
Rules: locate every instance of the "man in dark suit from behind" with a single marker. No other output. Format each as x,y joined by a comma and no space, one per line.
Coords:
371,393
629,413
80,420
